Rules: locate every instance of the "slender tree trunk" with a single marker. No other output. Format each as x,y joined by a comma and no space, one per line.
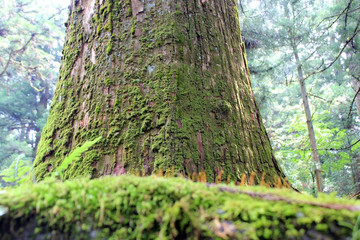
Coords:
356,86
165,83
356,162
314,151
357,174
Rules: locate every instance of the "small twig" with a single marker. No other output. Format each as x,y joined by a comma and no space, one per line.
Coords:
241,7
330,149
346,9
7,64
352,102
355,195
340,149
12,53
347,12
336,58
323,99
351,11
59,11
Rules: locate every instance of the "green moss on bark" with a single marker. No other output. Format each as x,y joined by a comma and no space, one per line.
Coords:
165,84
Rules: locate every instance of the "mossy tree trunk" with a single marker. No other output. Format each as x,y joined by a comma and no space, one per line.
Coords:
165,82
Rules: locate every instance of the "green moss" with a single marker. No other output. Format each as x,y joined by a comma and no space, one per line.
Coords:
103,9
172,115
133,26
129,207
97,110
108,81
128,12
109,48
98,29
159,43
108,26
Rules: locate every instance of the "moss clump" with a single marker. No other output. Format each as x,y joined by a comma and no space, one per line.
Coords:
109,48
129,207
108,81
133,26
98,29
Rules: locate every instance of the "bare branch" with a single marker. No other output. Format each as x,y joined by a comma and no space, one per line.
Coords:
352,102
333,149
345,10
59,11
323,99
12,53
7,64
341,149
336,58
241,7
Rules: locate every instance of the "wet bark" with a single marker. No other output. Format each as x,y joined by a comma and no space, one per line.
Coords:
165,83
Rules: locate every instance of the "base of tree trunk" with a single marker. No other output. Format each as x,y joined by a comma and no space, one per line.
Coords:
129,207
165,83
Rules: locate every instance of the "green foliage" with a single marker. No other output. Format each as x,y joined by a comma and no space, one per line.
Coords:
72,157
17,171
277,90
31,38
356,231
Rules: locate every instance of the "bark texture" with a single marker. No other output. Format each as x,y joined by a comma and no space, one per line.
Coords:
356,87
165,83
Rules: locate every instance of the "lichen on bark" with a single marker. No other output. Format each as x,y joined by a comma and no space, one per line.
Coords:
165,83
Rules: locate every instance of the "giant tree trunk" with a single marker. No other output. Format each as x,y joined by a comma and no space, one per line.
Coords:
165,83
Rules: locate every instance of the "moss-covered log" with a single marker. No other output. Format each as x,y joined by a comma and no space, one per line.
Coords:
165,83
130,207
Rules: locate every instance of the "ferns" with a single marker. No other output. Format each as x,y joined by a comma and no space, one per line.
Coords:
16,172
73,156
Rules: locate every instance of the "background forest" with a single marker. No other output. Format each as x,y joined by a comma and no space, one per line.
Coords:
324,35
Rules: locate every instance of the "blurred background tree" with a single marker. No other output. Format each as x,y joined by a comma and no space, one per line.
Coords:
325,34
31,38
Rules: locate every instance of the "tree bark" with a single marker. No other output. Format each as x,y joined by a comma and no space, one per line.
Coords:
356,86
165,83
356,163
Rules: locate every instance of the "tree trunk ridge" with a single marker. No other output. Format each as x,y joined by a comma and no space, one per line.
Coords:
165,83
